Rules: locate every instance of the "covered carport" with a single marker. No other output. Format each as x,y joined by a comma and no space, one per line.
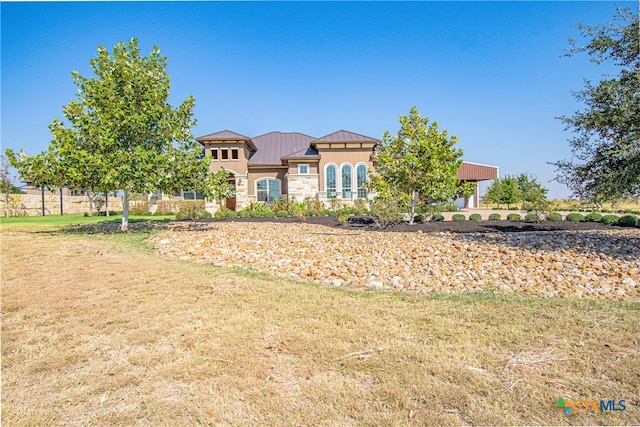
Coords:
474,172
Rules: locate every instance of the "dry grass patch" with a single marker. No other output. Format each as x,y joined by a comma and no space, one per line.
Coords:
97,330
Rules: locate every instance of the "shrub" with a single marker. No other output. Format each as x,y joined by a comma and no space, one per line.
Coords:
575,217
475,217
532,217
360,206
437,217
458,217
495,217
593,217
387,215
269,214
282,213
230,214
514,217
311,212
418,218
610,219
222,213
138,208
628,221
326,212
554,216
343,216
205,214
244,214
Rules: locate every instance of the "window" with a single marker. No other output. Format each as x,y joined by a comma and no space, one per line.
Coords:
346,181
361,177
330,184
224,154
234,154
303,169
268,190
214,153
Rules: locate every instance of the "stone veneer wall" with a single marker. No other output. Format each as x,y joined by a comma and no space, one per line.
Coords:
242,191
31,204
302,186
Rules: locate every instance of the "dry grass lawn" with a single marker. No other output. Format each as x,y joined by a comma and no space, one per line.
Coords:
98,330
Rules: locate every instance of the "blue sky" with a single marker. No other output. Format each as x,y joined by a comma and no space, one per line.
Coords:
491,73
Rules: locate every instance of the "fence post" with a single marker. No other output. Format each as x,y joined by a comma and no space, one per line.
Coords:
43,200
61,210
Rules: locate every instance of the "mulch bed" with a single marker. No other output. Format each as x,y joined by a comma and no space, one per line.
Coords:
367,223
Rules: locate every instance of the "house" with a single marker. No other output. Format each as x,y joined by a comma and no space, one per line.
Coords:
294,166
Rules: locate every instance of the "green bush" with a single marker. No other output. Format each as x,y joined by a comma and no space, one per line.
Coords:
244,214
222,213
269,214
532,217
495,217
606,210
610,219
418,218
475,217
281,214
514,217
205,214
628,221
575,217
554,216
230,214
311,212
458,217
437,217
141,208
593,217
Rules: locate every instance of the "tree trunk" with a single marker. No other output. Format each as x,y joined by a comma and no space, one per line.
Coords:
106,201
125,211
413,206
90,204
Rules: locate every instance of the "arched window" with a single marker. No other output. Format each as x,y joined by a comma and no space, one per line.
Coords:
331,184
361,177
268,190
346,181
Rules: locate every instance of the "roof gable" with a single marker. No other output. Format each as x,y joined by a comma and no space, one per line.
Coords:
346,136
223,135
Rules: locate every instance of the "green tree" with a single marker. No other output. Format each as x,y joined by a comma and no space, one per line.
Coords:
419,161
606,146
532,194
123,134
503,190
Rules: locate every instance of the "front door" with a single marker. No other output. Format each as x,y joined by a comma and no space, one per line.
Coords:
230,203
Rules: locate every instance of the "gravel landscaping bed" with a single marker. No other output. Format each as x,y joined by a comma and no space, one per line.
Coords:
550,259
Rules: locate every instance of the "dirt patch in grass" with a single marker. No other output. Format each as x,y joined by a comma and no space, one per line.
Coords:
98,330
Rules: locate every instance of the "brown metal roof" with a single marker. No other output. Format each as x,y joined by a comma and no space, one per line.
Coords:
273,146
227,135
345,136
477,172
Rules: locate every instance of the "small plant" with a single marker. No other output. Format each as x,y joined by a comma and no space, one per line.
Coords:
514,217
282,213
343,216
360,206
230,214
532,217
419,218
437,217
610,219
222,213
593,217
495,217
335,204
269,214
628,221
206,214
575,217
554,216
244,214
458,217
475,217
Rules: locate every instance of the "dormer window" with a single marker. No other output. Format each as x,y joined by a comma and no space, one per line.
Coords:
214,153
234,154
224,154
